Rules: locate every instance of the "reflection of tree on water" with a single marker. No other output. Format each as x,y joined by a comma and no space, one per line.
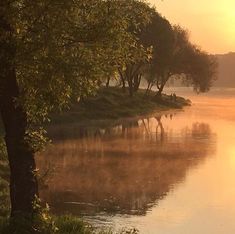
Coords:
200,130
159,126
122,169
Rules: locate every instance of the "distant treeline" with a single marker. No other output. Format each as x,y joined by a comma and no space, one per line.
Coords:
226,70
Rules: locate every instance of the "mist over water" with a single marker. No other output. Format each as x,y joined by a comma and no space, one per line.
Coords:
171,173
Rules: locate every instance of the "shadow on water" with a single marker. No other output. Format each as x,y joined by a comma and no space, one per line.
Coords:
124,169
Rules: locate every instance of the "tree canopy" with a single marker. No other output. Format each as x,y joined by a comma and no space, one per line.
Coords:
179,58
63,48
51,52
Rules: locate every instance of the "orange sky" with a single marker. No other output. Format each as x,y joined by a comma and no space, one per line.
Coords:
211,23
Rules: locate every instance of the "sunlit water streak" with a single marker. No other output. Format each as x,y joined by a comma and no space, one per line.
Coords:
168,174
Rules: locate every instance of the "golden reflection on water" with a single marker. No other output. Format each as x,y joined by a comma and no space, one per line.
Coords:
232,156
168,174
124,169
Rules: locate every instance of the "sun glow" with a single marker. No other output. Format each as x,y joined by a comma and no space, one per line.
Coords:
211,23
232,157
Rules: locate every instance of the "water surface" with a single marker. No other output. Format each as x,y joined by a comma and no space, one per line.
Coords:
171,173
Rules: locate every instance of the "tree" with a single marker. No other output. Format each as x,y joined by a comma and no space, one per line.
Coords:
50,53
160,36
201,69
169,57
176,57
137,54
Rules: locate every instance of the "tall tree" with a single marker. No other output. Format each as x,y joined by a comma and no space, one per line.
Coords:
200,70
160,36
177,57
168,56
50,52
138,54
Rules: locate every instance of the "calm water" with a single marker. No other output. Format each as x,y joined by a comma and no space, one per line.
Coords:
166,174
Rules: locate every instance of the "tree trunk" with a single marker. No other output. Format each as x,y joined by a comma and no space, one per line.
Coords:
130,86
149,87
160,86
160,89
122,80
107,82
123,85
23,181
137,80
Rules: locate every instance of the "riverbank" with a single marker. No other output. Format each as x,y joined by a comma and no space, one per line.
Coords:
62,225
113,104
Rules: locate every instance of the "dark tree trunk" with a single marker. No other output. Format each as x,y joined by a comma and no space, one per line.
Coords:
122,80
123,85
107,82
160,89
160,86
129,77
137,80
130,86
23,181
149,87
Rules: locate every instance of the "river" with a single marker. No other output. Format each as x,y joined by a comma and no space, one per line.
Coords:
170,173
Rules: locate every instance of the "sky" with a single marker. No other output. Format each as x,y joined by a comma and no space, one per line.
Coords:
211,23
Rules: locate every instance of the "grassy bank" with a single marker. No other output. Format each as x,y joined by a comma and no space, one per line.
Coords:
63,225
113,103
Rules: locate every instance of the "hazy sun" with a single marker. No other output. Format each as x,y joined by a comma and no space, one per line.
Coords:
211,23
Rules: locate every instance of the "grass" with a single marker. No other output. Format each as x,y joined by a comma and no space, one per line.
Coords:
112,104
64,224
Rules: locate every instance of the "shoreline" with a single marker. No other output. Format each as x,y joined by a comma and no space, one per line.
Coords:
111,106
103,123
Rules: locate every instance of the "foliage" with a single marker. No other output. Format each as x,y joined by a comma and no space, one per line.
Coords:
40,222
69,224
63,49
3,152
177,58
137,53
159,34
201,71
